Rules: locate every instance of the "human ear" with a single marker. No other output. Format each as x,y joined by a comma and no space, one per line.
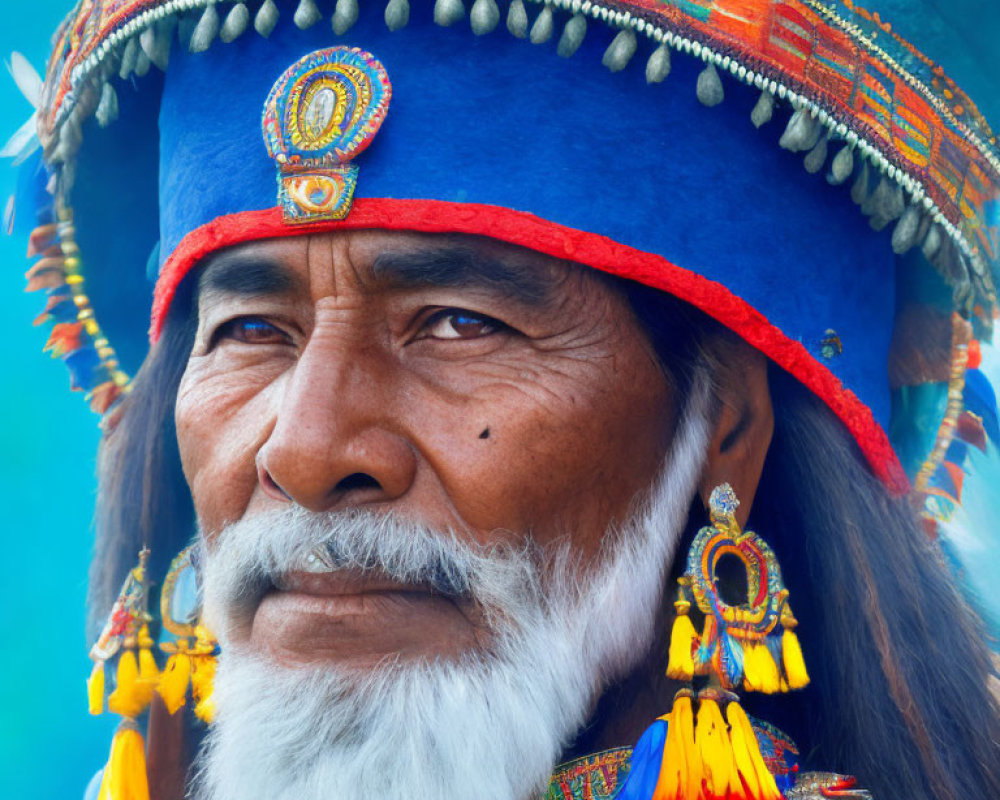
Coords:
743,425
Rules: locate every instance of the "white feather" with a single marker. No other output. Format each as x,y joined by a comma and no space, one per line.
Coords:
26,77
23,143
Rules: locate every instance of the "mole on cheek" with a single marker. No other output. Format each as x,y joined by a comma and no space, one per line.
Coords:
485,434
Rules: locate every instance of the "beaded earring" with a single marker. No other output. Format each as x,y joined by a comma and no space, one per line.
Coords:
751,643
126,638
706,747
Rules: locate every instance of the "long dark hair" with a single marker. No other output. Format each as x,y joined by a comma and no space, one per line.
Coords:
900,694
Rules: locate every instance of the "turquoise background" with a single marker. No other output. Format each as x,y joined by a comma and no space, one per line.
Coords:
49,746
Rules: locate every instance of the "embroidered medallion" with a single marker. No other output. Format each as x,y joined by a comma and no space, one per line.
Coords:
321,113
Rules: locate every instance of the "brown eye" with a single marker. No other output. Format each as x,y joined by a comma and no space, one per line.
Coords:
251,330
455,324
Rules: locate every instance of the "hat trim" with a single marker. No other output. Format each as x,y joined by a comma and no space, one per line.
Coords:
558,241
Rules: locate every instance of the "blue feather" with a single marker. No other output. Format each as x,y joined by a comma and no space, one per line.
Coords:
84,365
65,311
981,400
957,451
644,771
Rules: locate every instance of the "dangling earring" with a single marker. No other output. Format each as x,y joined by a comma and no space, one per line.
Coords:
194,652
753,643
126,637
712,752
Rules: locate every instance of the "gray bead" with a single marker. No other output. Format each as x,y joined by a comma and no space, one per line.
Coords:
448,12
572,36
541,31
709,90
764,110
205,31
517,19
235,24
620,51
484,17
658,65
345,14
306,15
266,18
397,14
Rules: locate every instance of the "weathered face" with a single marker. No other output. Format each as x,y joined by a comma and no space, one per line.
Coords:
469,385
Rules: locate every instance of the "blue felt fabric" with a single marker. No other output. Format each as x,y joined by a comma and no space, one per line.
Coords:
496,120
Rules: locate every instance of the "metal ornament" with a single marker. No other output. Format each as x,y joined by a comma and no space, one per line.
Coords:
322,112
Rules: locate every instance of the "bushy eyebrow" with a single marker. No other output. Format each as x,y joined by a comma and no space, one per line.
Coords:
455,266
451,266
247,275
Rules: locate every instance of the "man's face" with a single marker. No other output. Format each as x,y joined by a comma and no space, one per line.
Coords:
466,385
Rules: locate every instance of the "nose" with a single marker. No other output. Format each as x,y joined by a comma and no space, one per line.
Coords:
336,441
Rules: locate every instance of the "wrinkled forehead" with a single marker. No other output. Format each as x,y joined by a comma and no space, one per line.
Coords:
375,261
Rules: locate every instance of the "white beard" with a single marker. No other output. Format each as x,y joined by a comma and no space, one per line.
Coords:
490,725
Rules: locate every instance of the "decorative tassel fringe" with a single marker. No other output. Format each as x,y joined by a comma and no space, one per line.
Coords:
148,672
791,655
128,699
708,755
760,673
681,767
174,681
680,664
202,681
125,775
719,770
95,689
749,761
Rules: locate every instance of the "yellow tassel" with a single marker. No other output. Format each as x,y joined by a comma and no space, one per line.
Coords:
691,765
202,678
749,761
759,670
148,671
751,674
130,696
791,655
716,750
669,780
174,681
680,769
680,664
95,689
125,773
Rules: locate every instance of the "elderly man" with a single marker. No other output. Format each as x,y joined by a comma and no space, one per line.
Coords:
459,344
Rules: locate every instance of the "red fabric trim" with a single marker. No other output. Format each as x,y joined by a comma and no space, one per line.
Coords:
527,230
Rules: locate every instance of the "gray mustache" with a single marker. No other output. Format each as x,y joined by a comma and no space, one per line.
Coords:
439,572
251,556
